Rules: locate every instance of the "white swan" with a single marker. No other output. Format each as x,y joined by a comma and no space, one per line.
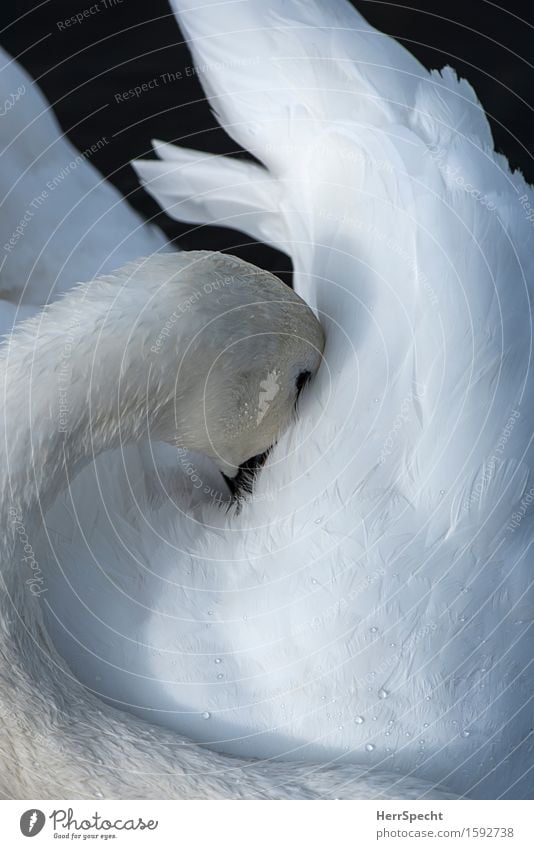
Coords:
57,740
397,587
402,577
196,382
60,222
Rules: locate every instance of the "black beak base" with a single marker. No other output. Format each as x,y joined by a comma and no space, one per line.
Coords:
242,484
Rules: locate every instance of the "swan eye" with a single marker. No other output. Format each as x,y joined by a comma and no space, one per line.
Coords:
301,381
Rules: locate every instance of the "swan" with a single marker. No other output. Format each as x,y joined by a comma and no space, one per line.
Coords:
58,739
199,386
61,222
369,606
399,567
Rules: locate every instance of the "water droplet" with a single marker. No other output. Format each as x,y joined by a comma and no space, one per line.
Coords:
99,795
442,492
465,733
392,645
374,629
425,724
99,761
370,747
315,581
340,728
388,733
375,718
210,612
391,722
383,694
427,698
218,660
455,722
323,698
220,676
359,720
407,734
206,714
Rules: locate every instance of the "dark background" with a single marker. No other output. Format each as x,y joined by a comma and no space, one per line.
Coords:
80,69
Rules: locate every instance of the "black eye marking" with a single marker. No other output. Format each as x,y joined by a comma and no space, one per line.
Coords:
301,381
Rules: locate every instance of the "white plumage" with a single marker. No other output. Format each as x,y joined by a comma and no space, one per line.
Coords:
372,603
61,221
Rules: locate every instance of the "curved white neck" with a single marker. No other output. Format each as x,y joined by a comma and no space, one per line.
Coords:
93,371
61,403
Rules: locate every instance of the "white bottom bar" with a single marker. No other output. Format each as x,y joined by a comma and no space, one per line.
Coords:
262,825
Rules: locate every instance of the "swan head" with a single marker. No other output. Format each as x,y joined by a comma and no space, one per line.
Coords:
238,350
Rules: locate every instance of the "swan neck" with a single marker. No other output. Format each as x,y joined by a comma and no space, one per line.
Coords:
71,390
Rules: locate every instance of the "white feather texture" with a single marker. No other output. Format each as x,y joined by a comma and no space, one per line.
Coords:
388,562
370,608
61,221
57,739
